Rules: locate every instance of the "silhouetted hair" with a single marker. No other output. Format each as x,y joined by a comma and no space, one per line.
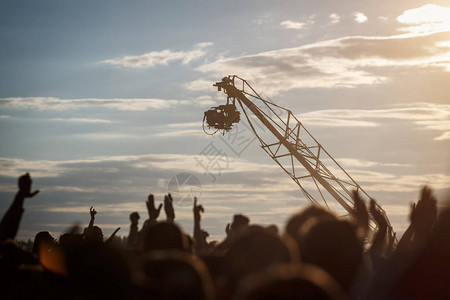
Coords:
334,247
176,275
164,236
42,237
286,282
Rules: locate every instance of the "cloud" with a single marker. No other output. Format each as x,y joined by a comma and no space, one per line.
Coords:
288,24
443,136
426,19
334,18
182,133
163,57
205,101
57,104
184,125
94,175
413,111
358,163
104,136
439,125
344,62
265,18
118,185
360,17
379,181
335,122
80,120
427,116
199,85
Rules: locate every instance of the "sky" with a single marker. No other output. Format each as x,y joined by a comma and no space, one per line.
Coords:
102,103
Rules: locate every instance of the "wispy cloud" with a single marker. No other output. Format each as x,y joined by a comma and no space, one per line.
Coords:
359,17
162,57
343,62
182,133
288,24
80,120
334,18
184,125
99,170
296,25
379,181
118,185
57,104
198,85
335,122
413,111
427,116
358,163
439,125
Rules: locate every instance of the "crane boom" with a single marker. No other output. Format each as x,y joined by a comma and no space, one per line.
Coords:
294,149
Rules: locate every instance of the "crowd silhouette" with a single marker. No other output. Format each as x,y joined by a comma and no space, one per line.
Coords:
316,256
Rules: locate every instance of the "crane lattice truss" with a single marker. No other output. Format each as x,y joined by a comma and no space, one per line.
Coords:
322,180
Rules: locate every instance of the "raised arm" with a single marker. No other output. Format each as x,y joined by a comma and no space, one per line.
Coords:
111,237
360,215
378,245
168,208
11,220
89,231
424,216
199,234
92,212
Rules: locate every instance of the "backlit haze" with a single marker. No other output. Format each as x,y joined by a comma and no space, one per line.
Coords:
102,102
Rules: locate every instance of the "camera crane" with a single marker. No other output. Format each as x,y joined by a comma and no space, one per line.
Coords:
321,179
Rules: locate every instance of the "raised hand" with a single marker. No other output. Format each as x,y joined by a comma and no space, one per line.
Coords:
168,208
197,209
153,212
360,214
377,215
199,234
228,229
91,222
378,246
391,240
92,212
25,186
423,214
9,224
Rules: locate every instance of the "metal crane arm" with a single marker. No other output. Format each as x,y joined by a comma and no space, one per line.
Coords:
321,178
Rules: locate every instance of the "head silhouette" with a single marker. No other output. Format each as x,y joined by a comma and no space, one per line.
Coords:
43,239
286,282
164,236
175,274
334,247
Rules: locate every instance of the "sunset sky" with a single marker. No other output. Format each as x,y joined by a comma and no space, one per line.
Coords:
102,102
